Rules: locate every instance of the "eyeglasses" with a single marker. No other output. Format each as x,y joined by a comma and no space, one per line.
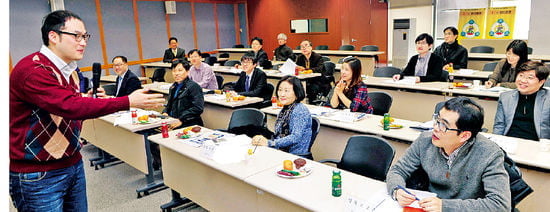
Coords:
305,47
421,43
526,77
77,37
440,126
247,63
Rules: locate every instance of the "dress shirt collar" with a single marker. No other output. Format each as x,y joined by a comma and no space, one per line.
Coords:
251,73
66,69
450,158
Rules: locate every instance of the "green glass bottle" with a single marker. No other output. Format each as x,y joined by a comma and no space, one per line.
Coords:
387,121
336,183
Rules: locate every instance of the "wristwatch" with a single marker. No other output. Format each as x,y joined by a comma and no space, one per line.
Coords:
394,193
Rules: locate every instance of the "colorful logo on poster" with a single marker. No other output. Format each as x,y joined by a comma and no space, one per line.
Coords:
470,29
499,29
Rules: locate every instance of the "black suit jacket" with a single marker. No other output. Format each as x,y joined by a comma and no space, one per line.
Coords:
129,84
261,58
435,67
169,56
315,62
188,104
258,84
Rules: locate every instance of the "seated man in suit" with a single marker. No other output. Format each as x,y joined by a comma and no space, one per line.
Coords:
525,111
464,168
126,82
425,66
201,72
252,81
310,60
174,52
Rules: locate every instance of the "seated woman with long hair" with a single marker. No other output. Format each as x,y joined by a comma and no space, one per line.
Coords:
351,92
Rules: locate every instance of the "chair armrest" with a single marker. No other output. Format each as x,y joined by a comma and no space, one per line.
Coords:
335,161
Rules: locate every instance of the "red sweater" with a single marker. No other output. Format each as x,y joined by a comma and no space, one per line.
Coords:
46,114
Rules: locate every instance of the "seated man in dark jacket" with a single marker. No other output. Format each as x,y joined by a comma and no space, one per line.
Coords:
309,60
252,81
126,82
425,66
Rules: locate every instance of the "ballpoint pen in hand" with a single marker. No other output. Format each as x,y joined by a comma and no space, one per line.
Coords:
407,191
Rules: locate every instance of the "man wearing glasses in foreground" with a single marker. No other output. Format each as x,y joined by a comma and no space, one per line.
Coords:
464,168
46,114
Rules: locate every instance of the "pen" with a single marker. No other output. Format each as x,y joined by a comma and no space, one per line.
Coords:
407,191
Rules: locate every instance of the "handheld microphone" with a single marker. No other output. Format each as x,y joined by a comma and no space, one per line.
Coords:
96,69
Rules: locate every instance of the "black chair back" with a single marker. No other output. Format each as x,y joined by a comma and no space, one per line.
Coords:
321,47
529,50
268,92
367,155
444,76
330,68
482,49
325,58
205,55
158,75
381,102
224,55
219,80
369,48
387,71
232,62
110,89
490,66
210,60
347,47
315,128
238,46
246,121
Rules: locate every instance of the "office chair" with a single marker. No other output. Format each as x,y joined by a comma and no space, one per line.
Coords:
232,62
366,155
347,47
219,80
387,71
210,60
321,47
249,121
158,75
529,50
381,102
489,66
238,46
315,128
325,58
369,48
482,49
444,76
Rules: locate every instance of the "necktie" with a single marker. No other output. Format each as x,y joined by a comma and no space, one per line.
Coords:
247,83
175,51
119,84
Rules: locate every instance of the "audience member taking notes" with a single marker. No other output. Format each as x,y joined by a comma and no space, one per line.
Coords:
464,168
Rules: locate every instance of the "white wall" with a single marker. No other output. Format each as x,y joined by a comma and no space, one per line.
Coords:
539,28
424,21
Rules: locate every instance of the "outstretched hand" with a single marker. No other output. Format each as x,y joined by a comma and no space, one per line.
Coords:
142,99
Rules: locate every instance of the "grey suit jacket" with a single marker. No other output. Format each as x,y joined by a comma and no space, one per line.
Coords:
506,109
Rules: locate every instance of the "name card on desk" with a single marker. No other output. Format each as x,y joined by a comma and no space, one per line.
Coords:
231,150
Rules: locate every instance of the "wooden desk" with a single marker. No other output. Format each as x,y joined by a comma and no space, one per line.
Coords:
252,185
217,112
234,53
125,143
477,60
332,138
112,79
366,58
417,101
147,70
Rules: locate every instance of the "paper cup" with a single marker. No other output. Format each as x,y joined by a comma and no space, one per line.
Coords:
477,83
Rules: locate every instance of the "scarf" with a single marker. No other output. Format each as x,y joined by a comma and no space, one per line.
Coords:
282,126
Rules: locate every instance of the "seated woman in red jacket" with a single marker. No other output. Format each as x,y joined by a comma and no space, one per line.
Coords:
351,92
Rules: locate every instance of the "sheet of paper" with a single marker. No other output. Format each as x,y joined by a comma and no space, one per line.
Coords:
288,67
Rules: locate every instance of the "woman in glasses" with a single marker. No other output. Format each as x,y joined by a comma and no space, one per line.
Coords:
350,92
506,69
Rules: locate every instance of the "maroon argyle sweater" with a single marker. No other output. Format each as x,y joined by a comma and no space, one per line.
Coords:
46,114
